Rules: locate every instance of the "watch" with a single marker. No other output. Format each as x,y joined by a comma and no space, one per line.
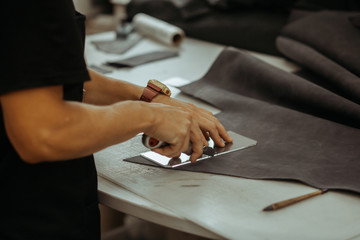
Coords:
154,88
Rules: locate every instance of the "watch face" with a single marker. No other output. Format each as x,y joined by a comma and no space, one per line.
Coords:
164,89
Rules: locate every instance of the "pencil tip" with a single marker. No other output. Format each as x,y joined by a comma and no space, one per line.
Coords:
268,208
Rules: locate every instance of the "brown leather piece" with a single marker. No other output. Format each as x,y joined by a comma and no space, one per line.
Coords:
304,132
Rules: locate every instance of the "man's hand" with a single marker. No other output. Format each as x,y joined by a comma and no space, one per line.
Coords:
207,123
102,90
177,128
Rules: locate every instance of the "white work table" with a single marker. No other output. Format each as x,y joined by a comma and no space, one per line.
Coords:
210,205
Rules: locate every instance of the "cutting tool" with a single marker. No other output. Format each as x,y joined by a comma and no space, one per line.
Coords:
153,143
239,142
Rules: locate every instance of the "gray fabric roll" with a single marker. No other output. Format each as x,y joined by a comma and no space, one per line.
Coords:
332,34
342,81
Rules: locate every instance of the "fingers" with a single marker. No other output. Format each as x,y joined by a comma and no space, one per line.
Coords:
197,140
206,135
177,146
210,125
215,130
205,138
221,131
194,136
203,124
168,151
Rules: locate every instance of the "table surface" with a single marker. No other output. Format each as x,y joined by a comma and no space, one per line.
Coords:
210,205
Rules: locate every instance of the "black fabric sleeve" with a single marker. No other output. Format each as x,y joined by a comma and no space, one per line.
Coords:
43,45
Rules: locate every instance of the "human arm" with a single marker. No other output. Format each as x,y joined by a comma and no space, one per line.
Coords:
208,123
43,127
110,91
102,90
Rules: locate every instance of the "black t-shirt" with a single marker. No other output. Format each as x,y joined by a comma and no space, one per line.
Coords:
53,200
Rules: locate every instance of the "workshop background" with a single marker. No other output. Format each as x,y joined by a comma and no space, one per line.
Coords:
261,20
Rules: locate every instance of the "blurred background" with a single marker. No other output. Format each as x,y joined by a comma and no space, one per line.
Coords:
247,24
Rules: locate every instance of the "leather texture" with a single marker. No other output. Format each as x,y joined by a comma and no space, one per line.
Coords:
307,124
292,119
332,34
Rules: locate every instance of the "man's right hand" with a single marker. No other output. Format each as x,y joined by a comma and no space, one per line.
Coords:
178,128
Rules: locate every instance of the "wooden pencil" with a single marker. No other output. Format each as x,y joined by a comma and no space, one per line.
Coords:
291,201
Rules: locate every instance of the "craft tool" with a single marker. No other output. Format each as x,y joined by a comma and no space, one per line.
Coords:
239,142
291,201
153,143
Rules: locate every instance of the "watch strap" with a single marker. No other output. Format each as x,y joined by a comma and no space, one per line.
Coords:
149,93
154,88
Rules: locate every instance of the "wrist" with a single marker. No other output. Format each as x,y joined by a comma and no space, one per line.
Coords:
153,89
149,116
140,116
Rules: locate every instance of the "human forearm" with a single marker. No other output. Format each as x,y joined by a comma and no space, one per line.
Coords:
43,127
85,129
102,90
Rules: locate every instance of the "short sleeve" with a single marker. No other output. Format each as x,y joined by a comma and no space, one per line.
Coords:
43,45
